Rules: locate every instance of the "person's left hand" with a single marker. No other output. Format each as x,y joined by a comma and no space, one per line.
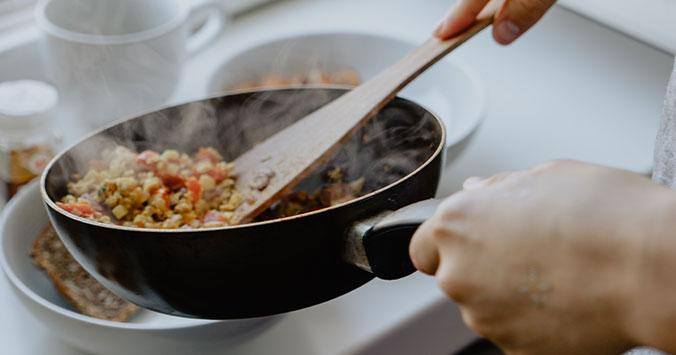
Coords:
544,261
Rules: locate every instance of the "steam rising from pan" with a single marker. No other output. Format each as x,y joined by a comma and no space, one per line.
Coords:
390,146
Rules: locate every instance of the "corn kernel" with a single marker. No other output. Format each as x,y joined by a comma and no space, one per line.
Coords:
119,211
208,183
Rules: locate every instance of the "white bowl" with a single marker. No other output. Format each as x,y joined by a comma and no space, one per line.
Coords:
147,333
450,88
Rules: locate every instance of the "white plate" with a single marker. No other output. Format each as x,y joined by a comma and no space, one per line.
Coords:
450,88
147,333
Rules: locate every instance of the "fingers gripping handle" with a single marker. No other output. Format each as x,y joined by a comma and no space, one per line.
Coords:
380,244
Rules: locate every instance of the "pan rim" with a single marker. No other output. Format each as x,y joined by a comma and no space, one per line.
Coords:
182,231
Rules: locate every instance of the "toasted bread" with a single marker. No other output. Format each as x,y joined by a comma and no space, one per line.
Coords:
81,290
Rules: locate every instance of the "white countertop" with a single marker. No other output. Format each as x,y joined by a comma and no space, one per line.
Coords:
569,89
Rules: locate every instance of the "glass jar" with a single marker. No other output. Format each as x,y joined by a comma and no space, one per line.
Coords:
27,139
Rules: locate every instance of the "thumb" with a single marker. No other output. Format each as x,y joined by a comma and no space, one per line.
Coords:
516,17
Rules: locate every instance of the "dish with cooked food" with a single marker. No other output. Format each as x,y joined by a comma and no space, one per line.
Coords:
348,77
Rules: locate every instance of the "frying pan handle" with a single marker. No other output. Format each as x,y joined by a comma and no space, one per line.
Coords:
380,244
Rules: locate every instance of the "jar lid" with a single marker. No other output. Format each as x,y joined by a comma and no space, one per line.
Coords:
26,104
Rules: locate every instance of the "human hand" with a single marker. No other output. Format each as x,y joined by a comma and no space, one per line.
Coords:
513,19
546,261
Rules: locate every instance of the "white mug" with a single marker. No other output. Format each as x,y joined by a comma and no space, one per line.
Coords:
113,58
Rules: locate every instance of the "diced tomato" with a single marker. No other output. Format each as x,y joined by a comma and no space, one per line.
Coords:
152,189
164,194
147,159
208,154
173,182
218,174
195,188
78,208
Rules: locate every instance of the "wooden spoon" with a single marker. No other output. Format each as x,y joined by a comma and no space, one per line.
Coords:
275,166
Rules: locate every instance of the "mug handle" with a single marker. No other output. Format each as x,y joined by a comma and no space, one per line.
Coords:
213,17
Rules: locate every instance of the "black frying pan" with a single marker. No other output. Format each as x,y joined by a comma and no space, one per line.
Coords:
272,266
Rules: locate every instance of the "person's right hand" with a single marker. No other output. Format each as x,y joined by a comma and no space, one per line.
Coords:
513,19
565,258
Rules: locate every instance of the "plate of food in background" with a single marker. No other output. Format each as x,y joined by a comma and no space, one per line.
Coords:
65,299
450,89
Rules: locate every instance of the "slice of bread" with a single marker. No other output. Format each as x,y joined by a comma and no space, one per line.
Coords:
80,289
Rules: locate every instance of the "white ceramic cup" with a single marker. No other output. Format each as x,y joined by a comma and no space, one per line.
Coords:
113,58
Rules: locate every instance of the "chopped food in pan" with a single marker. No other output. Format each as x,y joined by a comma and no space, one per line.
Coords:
171,189
156,190
335,191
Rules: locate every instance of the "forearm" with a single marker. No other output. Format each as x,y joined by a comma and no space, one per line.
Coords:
651,313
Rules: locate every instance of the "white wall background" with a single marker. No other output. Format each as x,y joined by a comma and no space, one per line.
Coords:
652,21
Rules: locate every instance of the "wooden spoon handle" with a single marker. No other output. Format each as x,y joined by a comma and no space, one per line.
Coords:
287,157
374,94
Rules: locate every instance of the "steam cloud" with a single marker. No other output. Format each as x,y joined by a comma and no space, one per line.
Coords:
390,146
